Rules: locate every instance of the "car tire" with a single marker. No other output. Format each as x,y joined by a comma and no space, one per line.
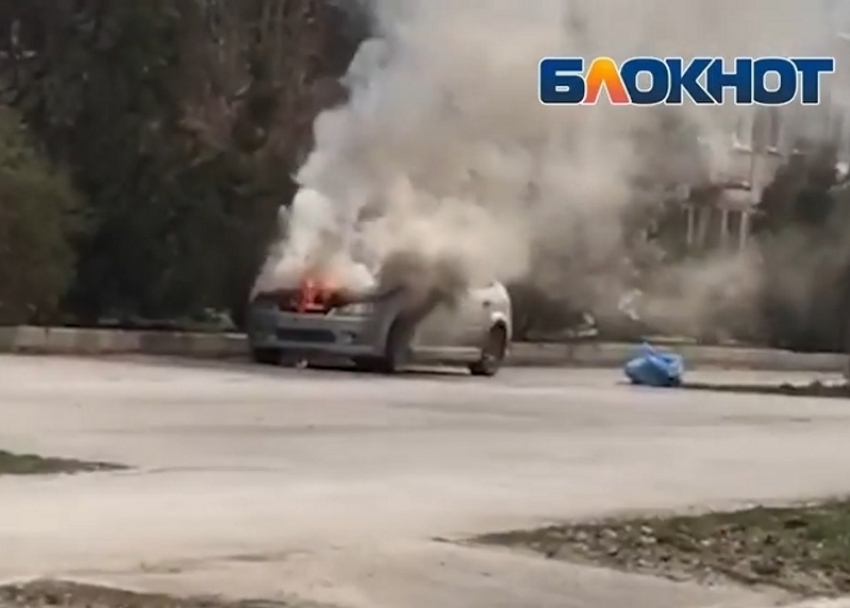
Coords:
397,348
266,356
492,353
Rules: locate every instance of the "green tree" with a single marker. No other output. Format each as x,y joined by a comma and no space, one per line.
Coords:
803,241
182,122
39,218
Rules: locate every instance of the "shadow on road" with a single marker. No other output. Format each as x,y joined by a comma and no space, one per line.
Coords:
341,368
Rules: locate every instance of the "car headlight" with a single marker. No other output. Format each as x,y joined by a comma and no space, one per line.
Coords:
359,309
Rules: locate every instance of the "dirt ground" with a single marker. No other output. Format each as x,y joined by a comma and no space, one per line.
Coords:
32,464
61,594
804,549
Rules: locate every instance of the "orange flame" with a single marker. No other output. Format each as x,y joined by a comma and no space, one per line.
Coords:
316,294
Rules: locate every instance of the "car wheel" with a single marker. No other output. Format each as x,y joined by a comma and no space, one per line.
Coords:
397,349
266,356
492,354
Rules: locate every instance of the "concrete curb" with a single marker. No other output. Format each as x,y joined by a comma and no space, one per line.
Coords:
76,341
843,602
589,354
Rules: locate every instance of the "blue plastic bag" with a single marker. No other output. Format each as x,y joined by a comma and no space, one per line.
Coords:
651,367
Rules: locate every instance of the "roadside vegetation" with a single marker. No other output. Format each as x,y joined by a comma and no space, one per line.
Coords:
62,594
801,549
32,464
40,217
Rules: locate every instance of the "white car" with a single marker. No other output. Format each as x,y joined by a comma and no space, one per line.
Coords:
382,333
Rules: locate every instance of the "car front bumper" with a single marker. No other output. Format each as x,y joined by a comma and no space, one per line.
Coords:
343,336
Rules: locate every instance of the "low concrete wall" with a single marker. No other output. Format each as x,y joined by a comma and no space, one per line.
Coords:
74,341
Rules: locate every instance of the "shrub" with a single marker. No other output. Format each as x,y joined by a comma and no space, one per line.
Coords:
38,220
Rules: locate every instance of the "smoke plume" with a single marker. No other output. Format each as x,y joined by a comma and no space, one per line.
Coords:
443,151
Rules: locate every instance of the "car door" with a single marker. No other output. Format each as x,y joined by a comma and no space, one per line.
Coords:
442,326
461,324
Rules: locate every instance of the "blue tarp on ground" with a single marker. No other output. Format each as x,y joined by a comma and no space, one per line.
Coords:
652,367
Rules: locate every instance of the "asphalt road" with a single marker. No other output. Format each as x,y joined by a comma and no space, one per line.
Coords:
332,486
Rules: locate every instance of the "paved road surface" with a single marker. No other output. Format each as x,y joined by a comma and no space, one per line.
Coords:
331,486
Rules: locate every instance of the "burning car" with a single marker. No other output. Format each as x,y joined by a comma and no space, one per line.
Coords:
382,329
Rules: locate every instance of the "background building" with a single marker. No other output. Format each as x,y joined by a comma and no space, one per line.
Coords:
758,142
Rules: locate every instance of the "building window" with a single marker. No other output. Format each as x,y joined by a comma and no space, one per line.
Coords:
735,228
774,129
743,138
843,134
767,130
838,127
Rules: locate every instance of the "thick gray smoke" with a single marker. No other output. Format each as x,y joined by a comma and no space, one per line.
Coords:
444,151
